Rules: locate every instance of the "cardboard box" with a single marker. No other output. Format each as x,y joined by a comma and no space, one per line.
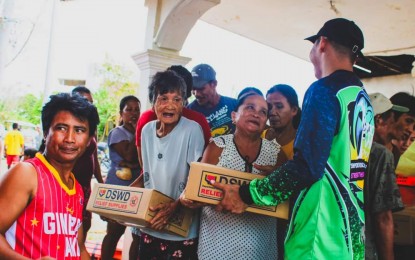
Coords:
199,189
130,206
404,226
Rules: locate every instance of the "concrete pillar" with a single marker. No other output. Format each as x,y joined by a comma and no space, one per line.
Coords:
150,62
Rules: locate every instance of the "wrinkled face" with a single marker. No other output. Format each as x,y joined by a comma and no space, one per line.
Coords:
205,95
252,115
67,138
131,112
281,114
387,126
168,108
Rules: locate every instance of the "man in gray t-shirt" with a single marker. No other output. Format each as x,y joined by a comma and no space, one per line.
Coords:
382,195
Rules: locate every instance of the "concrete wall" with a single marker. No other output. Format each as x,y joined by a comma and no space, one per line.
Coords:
391,84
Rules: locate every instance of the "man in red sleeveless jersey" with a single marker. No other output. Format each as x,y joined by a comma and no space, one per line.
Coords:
40,199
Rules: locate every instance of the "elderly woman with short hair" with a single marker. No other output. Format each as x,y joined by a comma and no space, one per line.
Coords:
168,146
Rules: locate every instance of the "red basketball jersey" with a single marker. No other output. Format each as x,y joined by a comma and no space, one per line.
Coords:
49,224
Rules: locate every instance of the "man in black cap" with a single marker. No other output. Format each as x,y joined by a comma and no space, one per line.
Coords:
331,153
216,108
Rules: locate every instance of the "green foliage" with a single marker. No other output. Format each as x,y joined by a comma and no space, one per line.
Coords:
30,108
27,109
3,112
115,84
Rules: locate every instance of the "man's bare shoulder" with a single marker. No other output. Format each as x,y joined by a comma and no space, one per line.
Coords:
17,187
21,176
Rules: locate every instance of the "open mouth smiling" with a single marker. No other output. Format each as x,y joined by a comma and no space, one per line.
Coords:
168,115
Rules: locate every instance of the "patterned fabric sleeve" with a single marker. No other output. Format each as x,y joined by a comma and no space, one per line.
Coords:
311,151
274,189
220,141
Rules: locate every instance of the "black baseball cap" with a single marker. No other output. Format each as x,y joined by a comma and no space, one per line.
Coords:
202,74
343,32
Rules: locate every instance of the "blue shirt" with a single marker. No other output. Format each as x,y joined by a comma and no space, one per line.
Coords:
218,117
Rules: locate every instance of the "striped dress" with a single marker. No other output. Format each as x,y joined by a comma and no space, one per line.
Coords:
49,225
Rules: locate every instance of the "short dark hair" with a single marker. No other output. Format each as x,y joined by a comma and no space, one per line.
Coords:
250,90
124,100
289,93
15,125
241,99
76,105
164,82
80,89
31,152
406,100
186,75
342,50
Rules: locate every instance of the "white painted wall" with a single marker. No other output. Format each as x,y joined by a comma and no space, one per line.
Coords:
391,84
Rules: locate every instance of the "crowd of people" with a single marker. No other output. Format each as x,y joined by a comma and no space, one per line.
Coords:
334,159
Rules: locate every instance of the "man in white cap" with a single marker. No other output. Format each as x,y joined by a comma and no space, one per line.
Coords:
385,117
381,191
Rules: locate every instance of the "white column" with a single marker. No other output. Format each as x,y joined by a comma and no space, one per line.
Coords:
150,62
